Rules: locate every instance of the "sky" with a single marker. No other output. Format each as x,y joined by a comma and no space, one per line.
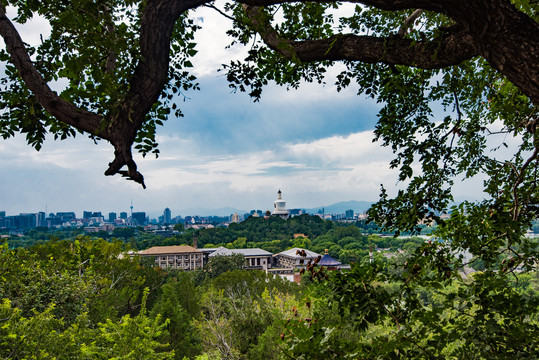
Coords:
314,144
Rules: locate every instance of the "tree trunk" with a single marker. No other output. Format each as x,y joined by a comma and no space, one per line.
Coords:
506,38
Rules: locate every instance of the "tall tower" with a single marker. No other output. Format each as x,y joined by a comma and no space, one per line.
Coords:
167,216
279,207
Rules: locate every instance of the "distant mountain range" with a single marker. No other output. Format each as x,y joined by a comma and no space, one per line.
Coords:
341,207
224,211
337,208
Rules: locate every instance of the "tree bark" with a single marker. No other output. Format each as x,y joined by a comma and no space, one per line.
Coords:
506,38
148,81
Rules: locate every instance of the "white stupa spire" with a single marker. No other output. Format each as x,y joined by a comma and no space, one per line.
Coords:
279,207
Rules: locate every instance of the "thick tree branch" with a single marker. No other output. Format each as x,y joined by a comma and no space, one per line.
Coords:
449,49
59,108
493,29
110,28
391,5
146,85
150,75
506,38
149,78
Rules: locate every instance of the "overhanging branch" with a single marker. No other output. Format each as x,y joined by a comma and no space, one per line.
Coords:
391,5
451,48
492,29
62,110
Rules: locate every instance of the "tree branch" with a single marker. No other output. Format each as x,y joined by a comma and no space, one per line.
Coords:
493,29
409,22
450,48
391,5
520,179
148,81
56,106
150,75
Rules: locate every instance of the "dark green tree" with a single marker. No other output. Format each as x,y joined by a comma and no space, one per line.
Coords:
123,233
178,302
218,265
179,227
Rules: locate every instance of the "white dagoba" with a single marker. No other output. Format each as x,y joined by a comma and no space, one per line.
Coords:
279,207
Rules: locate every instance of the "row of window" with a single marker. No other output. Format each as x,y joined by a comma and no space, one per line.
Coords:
186,257
255,262
180,267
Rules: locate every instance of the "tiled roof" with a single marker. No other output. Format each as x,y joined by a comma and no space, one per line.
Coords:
292,253
210,250
244,252
157,250
328,261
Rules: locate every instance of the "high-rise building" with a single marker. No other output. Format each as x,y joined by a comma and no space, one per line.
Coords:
235,218
25,221
167,216
86,214
349,214
41,219
66,216
139,218
123,215
112,217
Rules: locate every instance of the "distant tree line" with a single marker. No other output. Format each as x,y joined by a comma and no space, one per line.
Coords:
346,242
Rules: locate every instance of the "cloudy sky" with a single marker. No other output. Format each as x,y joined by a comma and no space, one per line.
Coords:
314,144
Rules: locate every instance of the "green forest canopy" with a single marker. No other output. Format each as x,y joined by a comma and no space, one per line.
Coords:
79,298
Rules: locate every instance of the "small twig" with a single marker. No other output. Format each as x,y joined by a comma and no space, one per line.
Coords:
284,352
495,238
513,273
520,179
409,22
221,12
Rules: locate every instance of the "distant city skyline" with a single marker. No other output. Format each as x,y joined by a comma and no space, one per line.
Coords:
341,207
95,221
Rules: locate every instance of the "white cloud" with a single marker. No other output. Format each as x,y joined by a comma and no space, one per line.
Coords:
33,31
73,154
342,164
212,41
